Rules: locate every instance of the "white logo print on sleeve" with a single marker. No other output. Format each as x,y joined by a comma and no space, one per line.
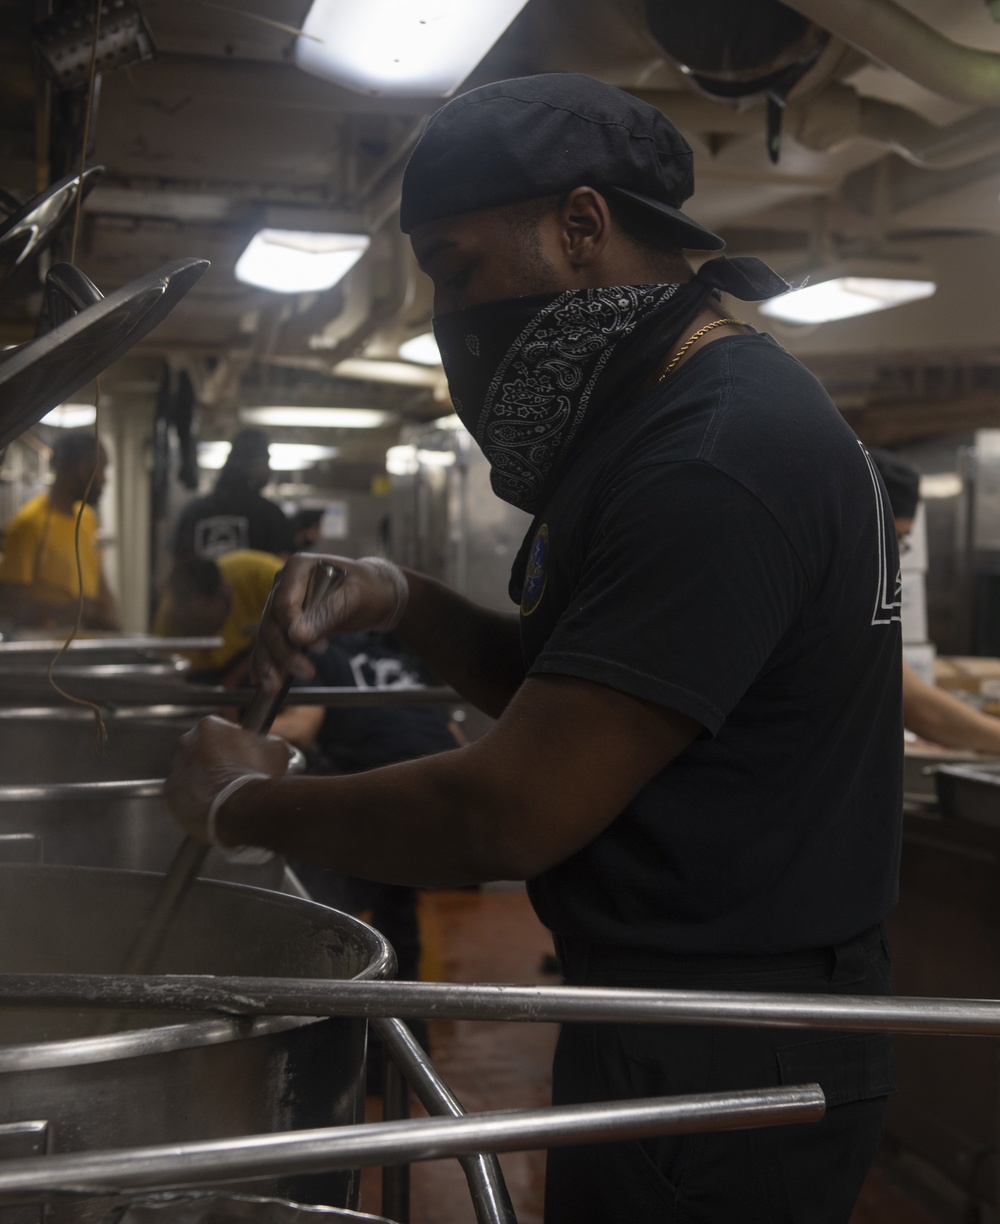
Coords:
889,597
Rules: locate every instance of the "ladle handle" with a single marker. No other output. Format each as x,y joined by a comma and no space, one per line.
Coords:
264,707
191,854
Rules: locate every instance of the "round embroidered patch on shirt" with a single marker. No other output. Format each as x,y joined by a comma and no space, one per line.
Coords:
535,575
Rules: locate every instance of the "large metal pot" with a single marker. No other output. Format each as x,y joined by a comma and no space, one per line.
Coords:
63,802
60,744
195,1208
26,658
24,669
75,1081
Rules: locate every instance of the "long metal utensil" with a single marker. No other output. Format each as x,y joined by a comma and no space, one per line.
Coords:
187,863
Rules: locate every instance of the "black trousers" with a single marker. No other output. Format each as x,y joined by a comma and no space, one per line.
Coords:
810,1173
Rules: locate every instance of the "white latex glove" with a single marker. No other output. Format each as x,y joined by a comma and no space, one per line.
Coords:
213,758
372,596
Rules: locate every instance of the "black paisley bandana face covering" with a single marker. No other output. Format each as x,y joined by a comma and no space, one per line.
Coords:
523,373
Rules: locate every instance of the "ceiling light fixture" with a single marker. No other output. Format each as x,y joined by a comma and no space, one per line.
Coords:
284,456
436,458
402,461
421,349
70,416
940,485
407,460
402,373
407,47
845,297
318,418
299,261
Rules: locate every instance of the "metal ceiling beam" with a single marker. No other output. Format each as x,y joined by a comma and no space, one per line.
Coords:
888,33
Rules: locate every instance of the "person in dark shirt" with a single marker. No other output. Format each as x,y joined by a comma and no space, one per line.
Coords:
235,515
352,739
933,715
306,526
697,759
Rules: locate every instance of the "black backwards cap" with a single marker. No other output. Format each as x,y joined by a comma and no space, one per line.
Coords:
543,135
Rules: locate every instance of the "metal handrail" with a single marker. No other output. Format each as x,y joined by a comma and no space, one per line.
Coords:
251,996
111,691
490,1199
253,1157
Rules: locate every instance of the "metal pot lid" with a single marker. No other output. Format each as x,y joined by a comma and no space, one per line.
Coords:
91,333
32,226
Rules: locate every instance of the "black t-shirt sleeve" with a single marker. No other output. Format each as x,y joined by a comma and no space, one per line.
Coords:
688,586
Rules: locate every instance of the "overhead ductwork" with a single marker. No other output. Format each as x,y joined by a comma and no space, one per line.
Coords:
731,49
888,33
839,113
827,119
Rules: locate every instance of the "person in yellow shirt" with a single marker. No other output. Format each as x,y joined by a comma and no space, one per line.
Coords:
39,584
223,597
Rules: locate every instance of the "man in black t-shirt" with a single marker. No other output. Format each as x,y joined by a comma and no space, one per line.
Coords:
697,760
235,515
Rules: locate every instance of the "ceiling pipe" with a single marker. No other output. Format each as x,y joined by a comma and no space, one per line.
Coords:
893,36
840,114
924,144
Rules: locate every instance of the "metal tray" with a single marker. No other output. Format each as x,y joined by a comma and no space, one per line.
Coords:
920,766
970,792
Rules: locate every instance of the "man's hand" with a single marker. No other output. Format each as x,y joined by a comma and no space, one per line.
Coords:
210,757
371,596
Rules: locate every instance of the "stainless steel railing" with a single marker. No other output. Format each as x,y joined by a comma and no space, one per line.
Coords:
393,1143
252,1157
245,996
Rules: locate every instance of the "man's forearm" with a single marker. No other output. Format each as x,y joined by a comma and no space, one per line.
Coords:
475,650
419,823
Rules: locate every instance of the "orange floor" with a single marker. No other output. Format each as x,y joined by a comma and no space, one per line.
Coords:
493,936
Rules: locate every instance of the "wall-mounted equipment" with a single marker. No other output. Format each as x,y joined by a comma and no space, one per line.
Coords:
65,41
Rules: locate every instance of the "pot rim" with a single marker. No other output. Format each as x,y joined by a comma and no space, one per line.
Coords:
206,1030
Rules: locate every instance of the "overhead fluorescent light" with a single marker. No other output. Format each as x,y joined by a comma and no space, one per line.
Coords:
436,458
407,460
299,261
318,418
845,297
940,485
402,461
71,416
415,47
421,349
284,456
401,372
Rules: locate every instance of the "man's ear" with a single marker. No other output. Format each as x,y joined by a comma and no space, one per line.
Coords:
585,220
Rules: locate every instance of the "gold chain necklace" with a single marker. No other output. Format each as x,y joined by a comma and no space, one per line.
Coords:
691,339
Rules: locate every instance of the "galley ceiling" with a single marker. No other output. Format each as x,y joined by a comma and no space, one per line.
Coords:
220,134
